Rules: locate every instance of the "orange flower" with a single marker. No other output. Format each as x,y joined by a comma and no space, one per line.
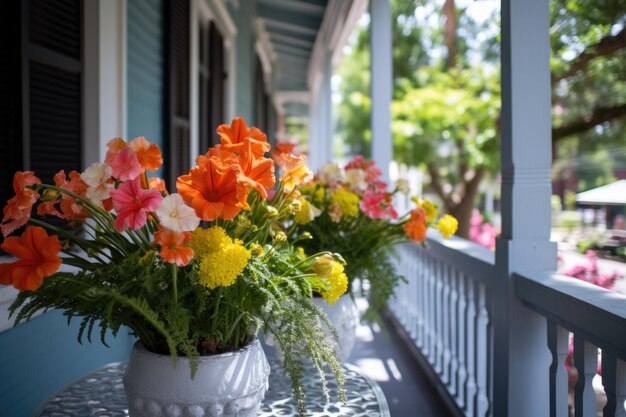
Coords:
172,249
415,227
18,208
148,154
213,189
158,184
39,258
281,149
115,145
259,171
295,171
233,137
69,207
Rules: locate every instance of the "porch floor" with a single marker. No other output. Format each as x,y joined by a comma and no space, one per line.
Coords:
382,356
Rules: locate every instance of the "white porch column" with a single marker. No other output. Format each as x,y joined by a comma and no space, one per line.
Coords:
382,83
521,355
321,120
104,95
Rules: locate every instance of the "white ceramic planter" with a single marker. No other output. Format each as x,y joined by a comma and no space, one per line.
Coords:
344,316
230,384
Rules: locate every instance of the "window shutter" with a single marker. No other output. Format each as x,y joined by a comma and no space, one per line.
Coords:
10,91
178,70
52,59
218,77
212,79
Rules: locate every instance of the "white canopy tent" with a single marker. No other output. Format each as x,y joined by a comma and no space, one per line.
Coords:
609,194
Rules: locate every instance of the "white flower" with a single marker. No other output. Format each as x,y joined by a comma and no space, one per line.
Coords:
97,177
356,179
402,185
177,216
331,173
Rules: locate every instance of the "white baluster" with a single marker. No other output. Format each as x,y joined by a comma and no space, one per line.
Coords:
462,342
586,362
439,315
471,351
454,364
620,389
446,324
482,401
413,297
432,356
427,303
419,280
560,376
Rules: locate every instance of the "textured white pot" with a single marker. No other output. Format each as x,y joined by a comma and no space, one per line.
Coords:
230,384
344,316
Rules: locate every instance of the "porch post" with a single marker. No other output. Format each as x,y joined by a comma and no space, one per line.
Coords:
321,120
521,355
382,83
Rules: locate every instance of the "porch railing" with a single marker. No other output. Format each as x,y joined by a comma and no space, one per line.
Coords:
447,309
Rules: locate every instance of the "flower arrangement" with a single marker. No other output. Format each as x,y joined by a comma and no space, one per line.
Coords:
351,211
191,273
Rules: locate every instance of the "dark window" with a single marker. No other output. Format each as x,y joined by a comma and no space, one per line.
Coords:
178,92
212,84
260,98
41,88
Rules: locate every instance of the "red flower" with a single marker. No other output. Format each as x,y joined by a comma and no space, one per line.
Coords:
39,258
132,204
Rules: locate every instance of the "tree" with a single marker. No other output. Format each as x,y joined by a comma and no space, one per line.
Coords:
446,91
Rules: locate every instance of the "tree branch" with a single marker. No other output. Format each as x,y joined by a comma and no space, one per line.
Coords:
589,121
605,46
449,35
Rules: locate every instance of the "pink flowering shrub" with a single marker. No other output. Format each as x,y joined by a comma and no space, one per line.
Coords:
481,231
589,272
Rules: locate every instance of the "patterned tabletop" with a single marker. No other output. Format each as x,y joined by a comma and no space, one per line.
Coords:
101,393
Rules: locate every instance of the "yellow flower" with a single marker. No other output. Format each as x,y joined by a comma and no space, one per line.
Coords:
430,208
307,212
323,265
320,193
256,249
347,201
447,225
222,259
300,252
221,268
337,282
205,241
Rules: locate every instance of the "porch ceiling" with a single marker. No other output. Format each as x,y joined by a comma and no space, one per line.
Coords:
292,27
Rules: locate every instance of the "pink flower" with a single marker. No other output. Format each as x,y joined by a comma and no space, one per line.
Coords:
126,166
132,204
377,205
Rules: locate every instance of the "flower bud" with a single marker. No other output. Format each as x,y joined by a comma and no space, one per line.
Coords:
323,265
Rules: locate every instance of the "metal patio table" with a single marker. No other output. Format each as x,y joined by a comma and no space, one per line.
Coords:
101,393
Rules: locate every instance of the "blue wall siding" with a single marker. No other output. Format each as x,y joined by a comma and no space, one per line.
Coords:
39,357
145,70
245,59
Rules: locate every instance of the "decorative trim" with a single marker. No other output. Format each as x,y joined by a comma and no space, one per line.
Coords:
265,50
357,9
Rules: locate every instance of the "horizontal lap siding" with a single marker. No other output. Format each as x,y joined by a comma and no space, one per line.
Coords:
41,356
145,70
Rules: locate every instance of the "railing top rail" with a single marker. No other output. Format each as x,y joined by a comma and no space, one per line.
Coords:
475,261
596,314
